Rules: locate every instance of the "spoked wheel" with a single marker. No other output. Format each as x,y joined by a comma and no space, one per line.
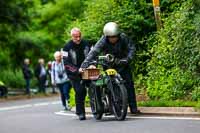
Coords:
119,101
95,102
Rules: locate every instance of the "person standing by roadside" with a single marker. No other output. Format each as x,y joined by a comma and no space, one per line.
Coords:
74,53
41,75
27,74
49,69
60,79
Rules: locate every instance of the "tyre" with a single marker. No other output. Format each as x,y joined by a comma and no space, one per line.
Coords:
95,102
119,100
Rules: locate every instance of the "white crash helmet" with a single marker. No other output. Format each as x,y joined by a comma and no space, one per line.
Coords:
111,29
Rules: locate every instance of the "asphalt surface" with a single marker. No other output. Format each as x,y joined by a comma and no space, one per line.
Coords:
46,115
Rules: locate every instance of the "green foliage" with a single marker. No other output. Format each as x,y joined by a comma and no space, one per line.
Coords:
53,17
72,97
198,105
13,18
196,4
163,103
174,65
4,60
196,93
15,79
168,84
14,12
168,6
34,27
12,79
132,21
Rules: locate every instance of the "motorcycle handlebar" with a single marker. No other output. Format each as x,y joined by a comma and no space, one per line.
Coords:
107,57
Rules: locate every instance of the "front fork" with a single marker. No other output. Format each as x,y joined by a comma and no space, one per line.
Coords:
110,86
117,78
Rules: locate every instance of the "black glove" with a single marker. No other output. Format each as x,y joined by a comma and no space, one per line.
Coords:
84,64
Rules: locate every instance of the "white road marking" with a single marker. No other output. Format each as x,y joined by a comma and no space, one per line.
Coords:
135,117
16,107
28,105
67,114
56,102
42,104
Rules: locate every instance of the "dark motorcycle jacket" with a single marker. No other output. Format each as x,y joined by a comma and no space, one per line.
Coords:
123,49
76,55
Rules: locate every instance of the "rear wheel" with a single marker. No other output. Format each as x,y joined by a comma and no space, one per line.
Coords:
95,102
119,100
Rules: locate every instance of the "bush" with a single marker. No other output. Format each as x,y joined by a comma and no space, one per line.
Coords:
12,79
173,71
134,18
15,79
169,84
196,93
198,105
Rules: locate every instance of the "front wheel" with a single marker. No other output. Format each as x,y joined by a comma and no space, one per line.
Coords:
95,102
119,100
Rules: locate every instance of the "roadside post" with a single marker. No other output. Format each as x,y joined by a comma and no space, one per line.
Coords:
156,6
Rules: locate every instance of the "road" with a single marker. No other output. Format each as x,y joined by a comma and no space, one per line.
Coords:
46,116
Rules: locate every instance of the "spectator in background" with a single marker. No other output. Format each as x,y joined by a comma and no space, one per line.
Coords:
49,69
41,75
27,74
60,79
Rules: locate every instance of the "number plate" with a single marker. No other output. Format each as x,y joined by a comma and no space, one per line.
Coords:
111,72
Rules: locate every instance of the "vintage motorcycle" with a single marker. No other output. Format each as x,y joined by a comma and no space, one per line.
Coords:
107,91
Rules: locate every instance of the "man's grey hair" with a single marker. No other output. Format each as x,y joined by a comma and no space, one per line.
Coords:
75,29
26,60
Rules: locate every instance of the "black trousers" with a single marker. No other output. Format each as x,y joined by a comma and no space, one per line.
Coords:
80,94
41,83
126,74
28,86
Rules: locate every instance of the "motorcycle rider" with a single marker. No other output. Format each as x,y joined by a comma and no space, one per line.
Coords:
118,44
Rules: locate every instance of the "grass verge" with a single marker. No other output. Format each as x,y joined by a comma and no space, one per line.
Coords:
176,103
